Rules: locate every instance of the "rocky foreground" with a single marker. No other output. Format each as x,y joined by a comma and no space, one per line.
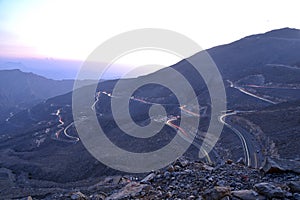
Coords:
197,180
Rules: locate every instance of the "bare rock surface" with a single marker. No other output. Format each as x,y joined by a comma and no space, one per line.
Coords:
183,179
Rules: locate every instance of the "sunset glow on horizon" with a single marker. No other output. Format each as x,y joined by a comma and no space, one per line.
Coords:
71,30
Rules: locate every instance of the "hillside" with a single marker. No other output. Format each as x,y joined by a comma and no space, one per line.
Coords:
41,146
20,90
279,124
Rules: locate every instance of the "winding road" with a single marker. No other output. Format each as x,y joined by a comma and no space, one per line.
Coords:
97,99
186,136
75,139
284,66
170,123
249,93
61,127
253,155
252,150
242,138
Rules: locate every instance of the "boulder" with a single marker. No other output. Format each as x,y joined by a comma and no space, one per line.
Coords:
270,166
216,193
148,178
275,165
247,195
130,190
294,186
171,168
241,161
78,196
181,161
207,167
269,190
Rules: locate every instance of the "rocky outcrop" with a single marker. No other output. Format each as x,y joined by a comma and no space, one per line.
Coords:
217,193
269,190
131,190
275,165
78,196
186,179
247,195
198,180
148,178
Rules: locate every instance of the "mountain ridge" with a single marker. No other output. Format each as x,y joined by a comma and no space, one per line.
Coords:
20,90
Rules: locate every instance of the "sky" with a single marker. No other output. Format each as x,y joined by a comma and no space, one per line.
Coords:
71,30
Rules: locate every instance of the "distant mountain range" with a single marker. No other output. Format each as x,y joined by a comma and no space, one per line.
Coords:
51,68
20,90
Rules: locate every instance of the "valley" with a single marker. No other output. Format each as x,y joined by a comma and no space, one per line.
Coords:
43,155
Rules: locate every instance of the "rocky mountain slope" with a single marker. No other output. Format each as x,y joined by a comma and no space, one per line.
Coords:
183,179
41,154
279,125
20,90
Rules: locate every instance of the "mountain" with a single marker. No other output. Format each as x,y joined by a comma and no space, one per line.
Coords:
259,63
40,146
266,65
56,69
257,53
20,90
279,125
